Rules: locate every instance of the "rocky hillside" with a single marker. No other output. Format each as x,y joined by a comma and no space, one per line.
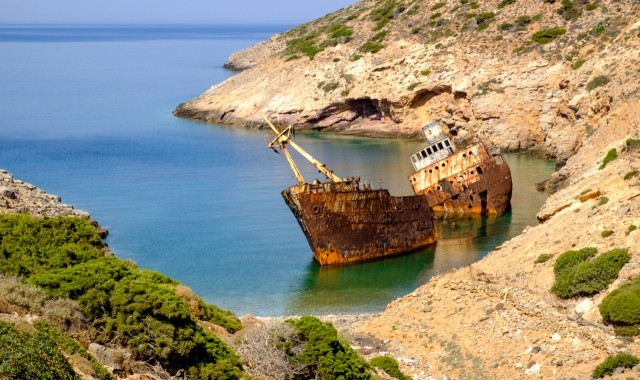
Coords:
527,75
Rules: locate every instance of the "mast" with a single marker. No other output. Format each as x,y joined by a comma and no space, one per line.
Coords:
282,139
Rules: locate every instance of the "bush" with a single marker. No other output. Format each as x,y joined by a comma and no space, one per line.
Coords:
632,227
633,144
323,356
543,258
371,47
611,155
136,308
576,276
384,13
598,81
621,308
609,365
606,233
630,175
31,356
546,36
390,366
569,11
70,347
603,201
578,64
504,3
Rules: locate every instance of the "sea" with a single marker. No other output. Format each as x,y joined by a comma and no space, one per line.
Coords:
86,114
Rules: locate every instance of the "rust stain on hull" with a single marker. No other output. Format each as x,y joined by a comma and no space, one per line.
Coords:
468,182
346,223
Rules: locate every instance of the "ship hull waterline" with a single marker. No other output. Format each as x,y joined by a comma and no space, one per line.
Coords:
346,225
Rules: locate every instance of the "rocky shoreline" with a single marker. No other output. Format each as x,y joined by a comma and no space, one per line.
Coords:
19,197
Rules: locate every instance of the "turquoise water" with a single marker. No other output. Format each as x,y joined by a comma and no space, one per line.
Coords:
85,113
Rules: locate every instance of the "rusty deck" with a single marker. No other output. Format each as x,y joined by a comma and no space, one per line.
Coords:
470,181
345,223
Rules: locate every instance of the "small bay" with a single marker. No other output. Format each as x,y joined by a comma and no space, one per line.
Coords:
85,113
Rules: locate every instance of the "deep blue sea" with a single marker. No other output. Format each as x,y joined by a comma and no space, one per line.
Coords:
85,113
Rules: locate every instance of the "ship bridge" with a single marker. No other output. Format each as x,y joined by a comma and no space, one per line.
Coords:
439,147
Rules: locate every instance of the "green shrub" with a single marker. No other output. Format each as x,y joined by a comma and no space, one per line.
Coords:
31,356
575,276
578,64
438,5
609,365
545,36
504,3
70,346
505,26
136,308
630,175
603,200
390,366
383,14
606,233
324,355
591,6
633,144
32,245
621,308
328,87
569,11
599,29
598,81
483,20
632,227
356,57
371,47
340,31
425,72
474,5
543,258
611,155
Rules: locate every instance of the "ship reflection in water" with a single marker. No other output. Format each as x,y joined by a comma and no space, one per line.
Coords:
372,285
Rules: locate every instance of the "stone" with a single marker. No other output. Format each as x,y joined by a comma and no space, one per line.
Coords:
555,337
532,368
584,306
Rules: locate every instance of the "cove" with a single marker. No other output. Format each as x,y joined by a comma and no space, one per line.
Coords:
85,113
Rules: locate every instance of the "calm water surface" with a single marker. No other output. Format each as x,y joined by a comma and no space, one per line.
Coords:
85,113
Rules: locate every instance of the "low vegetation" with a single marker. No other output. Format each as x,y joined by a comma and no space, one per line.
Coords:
135,308
598,81
579,273
631,174
621,308
611,155
543,258
609,365
317,352
385,13
546,36
633,144
390,366
606,233
31,355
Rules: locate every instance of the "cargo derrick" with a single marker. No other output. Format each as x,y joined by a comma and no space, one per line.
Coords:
346,221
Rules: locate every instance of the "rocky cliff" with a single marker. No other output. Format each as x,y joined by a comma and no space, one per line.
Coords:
526,75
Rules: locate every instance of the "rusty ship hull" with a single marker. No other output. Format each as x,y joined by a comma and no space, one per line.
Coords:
344,223
469,181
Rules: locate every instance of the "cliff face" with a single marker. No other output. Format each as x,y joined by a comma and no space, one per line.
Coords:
526,75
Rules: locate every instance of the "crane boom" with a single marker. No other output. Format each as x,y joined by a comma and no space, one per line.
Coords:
282,139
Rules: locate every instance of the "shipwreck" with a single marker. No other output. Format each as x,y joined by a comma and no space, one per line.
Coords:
458,182
347,221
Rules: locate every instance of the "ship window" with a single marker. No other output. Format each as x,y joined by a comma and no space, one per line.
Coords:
424,154
430,171
471,171
440,146
479,169
429,150
443,164
464,155
447,143
470,153
413,158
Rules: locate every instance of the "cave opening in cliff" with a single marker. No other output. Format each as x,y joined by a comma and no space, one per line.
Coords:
365,107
